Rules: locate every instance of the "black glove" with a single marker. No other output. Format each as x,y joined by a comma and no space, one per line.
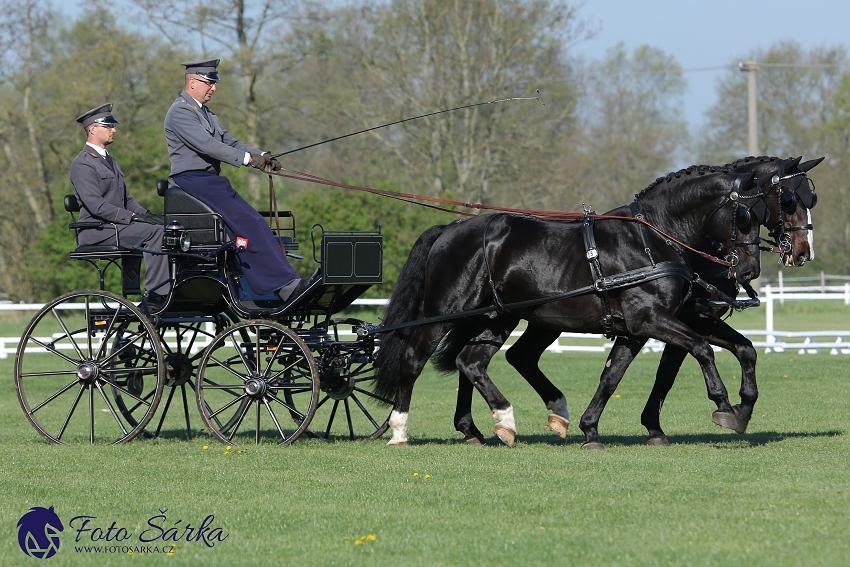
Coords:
259,161
275,165
149,218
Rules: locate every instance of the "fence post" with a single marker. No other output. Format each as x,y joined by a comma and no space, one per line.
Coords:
847,294
781,289
768,313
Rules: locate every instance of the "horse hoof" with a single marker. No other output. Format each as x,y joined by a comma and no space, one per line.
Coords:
504,434
473,440
743,420
398,444
729,420
558,424
657,441
593,446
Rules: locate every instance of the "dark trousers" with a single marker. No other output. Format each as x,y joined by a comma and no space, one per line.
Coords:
262,261
137,235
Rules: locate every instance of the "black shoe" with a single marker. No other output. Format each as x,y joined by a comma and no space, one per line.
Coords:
155,301
289,291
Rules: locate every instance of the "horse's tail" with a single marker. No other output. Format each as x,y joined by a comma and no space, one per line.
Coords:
405,305
444,357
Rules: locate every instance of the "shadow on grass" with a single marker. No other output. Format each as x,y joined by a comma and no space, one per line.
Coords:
721,440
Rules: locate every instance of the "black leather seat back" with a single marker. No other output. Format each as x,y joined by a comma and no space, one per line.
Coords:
203,224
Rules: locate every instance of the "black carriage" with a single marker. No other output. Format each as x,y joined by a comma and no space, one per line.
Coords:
94,364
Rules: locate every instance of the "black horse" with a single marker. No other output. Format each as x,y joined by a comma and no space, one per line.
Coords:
790,225
502,260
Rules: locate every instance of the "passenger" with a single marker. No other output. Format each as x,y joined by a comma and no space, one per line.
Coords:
99,186
197,145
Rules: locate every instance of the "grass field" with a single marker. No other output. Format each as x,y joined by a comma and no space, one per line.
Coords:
777,495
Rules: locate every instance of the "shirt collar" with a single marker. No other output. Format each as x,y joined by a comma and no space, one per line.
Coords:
98,149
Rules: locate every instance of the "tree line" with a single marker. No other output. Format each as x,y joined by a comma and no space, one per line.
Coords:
297,72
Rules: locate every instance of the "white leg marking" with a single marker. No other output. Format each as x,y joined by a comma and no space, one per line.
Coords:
505,418
398,424
505,428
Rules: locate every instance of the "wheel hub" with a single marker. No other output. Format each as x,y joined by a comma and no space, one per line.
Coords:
341,384
179,369
255,387
88,371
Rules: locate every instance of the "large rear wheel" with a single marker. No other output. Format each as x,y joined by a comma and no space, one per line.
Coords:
69,375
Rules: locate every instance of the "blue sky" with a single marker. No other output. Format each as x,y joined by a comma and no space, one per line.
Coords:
699,33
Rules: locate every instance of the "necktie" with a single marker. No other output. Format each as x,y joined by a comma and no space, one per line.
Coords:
110,162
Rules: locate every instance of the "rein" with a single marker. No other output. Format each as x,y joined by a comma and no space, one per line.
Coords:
548,215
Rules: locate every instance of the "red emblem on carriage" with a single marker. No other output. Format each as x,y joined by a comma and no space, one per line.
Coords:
241,242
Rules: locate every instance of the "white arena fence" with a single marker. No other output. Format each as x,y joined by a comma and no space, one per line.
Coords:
772,340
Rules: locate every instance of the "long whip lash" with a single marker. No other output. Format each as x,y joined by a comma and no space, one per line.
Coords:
537,98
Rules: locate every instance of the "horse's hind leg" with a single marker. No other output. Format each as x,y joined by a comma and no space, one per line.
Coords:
472,362
463,412
421,346
625,349
668,368
524,356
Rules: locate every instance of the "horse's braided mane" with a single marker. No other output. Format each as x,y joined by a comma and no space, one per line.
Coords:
703,169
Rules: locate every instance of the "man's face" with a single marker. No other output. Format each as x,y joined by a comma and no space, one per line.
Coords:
202,89
101,135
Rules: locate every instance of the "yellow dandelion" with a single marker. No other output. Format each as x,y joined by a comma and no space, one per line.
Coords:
416,474
227,452
206,447
130,552
616,395
427,476
456,389
346,538
228,447
358,542
371,537
542,528
786,376
734,377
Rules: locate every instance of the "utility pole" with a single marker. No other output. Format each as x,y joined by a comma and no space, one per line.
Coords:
752,115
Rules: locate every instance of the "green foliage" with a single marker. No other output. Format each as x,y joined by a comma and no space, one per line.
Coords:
340,209
52,272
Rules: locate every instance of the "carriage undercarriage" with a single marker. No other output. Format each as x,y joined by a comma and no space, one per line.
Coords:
95,366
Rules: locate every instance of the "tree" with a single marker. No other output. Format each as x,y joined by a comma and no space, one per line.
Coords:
632,123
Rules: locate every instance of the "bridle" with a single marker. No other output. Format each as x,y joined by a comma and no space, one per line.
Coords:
740,220
788,200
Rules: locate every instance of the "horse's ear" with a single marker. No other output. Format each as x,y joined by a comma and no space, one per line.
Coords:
744,182
807,165
793,163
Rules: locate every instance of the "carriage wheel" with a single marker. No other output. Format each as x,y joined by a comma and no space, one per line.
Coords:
67,376
183,345
348,408
253,378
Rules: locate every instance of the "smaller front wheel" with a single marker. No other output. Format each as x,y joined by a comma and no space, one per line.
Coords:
257,380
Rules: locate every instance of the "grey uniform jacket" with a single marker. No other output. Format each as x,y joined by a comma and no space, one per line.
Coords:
197,142
101,191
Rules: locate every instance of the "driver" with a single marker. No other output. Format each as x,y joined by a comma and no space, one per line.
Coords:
99,186
197,145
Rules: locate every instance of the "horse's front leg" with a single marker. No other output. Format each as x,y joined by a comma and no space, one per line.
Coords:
625,349
524,356
463,412
719,333
668,368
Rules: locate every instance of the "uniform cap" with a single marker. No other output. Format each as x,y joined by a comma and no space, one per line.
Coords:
101,115
205,68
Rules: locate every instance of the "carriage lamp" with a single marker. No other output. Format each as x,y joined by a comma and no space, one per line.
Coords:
175,238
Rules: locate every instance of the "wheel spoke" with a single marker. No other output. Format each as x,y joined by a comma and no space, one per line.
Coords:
91,415
53,397
292,409
123,347
348,417
111,408
129,393
272,358
241,354
108,332
364,410
186,412
53,373
274,419
71,412
67,333
229,405
331,418
374,396
164,412
57,353
257,426
242,415
228,368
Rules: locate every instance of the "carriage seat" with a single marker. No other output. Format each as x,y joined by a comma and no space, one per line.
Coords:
94,251
205,226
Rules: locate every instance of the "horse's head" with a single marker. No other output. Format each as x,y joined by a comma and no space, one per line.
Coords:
734,230
783,204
